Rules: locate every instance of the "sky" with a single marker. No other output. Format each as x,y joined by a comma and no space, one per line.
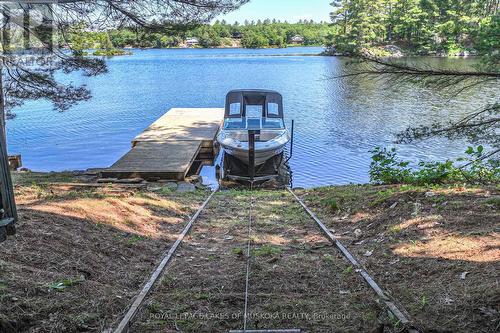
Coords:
289,10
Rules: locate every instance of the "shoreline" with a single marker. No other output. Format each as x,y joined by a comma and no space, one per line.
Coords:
325,53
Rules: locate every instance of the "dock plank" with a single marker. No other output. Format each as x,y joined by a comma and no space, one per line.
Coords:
169,146
184,125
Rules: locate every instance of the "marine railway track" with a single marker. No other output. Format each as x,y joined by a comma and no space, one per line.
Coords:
264,264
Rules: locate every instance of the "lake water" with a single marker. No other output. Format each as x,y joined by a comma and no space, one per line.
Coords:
337,121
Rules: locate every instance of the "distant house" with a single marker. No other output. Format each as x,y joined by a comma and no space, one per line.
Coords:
297,39
237,35
192,41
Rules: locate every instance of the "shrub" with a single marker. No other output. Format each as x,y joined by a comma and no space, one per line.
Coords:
387,168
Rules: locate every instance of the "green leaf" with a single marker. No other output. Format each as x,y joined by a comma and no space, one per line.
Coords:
60,285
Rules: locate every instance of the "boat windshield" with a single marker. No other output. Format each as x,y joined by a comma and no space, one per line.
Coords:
253,123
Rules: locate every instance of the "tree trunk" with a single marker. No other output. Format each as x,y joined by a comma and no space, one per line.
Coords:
8,212
26,27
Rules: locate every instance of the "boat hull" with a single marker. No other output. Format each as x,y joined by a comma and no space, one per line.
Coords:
264,150
260,156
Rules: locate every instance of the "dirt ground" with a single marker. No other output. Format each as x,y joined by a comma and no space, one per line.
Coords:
81,254
297,279
436,250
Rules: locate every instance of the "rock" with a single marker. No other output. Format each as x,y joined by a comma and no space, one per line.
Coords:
184,187
395,51
107,180
448,300
170,185
194,179
416,209
200,186
129,181
153,187
368,253
430,194
24,170
358,233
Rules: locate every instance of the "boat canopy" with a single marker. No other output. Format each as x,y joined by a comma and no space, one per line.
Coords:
254,103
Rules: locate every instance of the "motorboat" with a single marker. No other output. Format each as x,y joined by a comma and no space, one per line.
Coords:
253,118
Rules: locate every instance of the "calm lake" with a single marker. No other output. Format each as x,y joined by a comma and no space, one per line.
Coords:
337,121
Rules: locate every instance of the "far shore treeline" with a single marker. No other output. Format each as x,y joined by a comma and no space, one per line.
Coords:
447,27
259,34
453,27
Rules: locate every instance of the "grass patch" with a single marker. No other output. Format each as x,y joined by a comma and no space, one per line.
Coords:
29,178
395,229
348,270
266,250
495,202
134,239
237,251
328,258
333,205
61,285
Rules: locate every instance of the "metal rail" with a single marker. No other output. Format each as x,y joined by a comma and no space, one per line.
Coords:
249,259
402,318
293,330
134,308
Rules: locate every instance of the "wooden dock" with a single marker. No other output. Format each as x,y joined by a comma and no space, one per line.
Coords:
169,147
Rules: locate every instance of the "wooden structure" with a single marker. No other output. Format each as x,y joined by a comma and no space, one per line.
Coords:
15,162
171,146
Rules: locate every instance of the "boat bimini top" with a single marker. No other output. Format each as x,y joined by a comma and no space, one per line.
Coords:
253,110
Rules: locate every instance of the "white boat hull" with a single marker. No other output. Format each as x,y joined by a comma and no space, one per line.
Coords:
264,150
260,157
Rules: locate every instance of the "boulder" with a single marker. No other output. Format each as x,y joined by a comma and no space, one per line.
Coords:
154,187
170,185
184,187
395,51
194,179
